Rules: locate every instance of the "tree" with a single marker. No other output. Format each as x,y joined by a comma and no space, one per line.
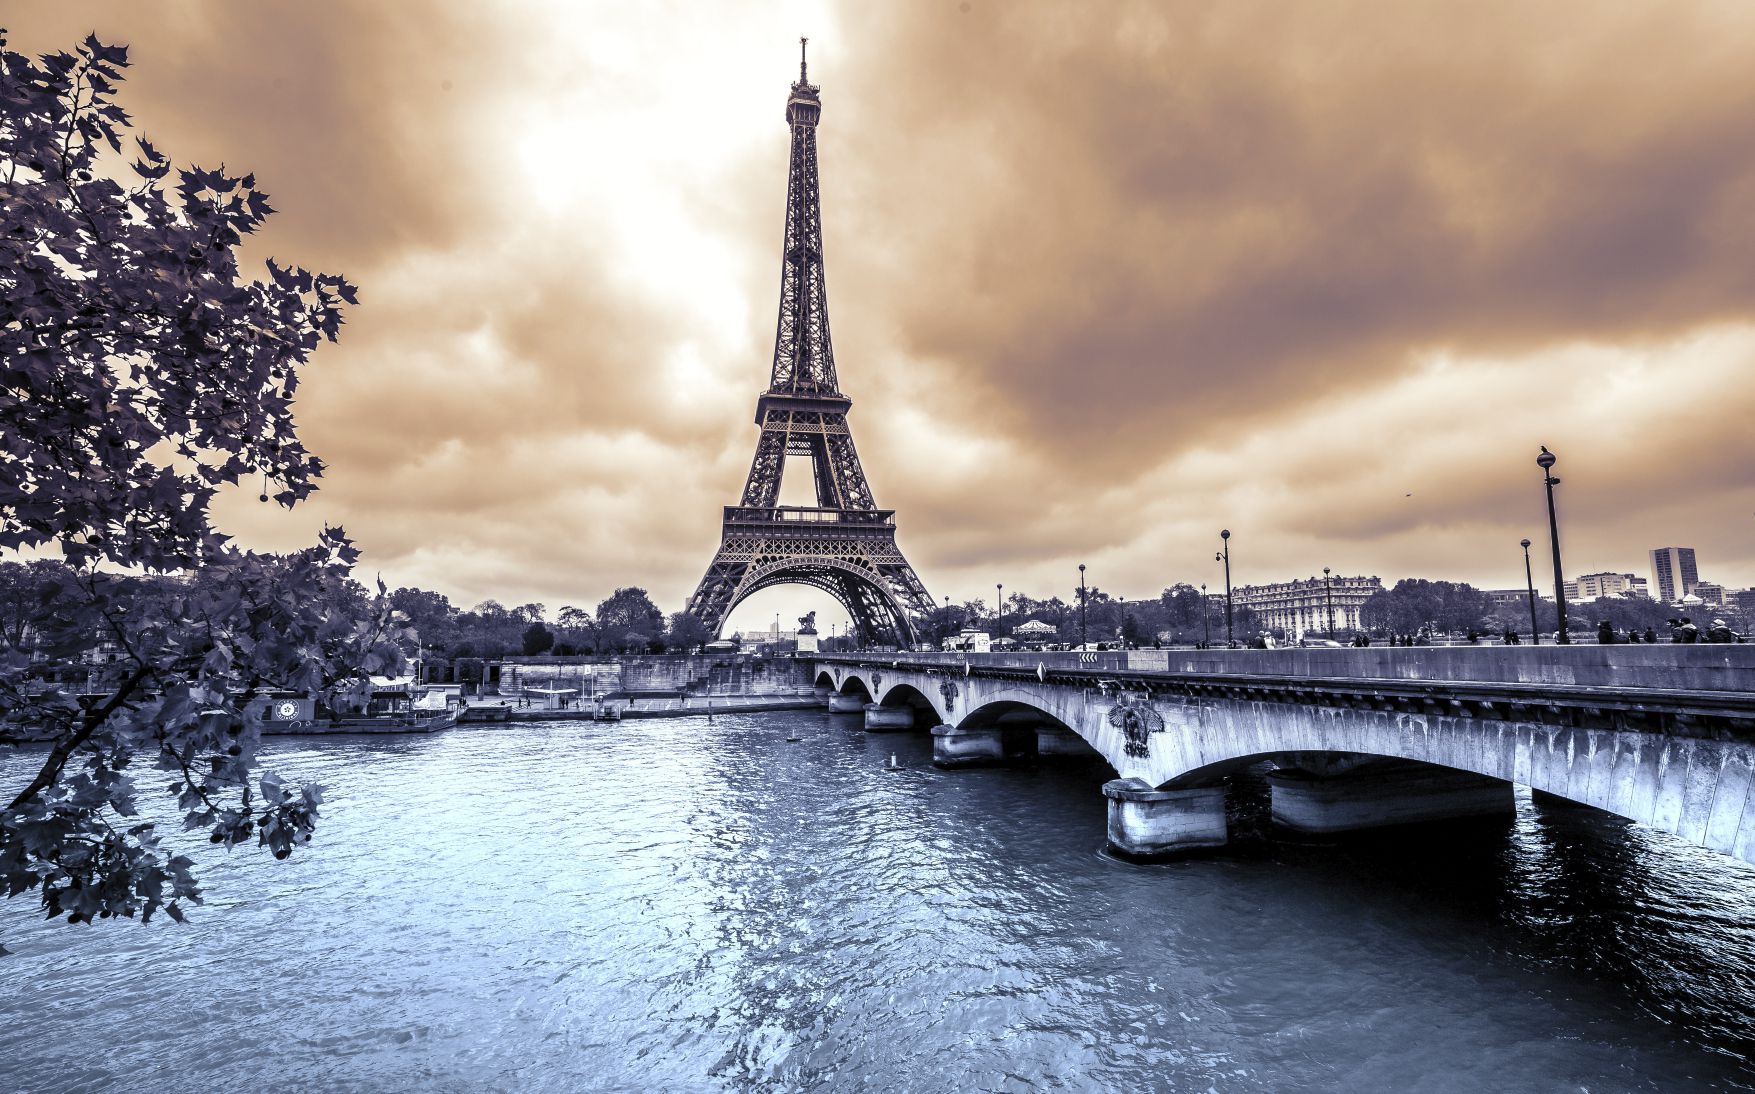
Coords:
627,620
22,589
1414,605
575,624
1186,613
141,373
537,639
430,615
687,632
1132,631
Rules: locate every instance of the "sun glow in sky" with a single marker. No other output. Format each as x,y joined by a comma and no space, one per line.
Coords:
1103,278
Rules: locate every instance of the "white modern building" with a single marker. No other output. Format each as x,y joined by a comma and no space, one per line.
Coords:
1673,573
1595,586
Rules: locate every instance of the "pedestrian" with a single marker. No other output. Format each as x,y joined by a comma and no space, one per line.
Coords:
1650,636
1690,630
1633,635
1720,633
1605,633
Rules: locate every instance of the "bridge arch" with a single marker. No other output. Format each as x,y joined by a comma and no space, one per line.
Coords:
825,680
898,695
854,684
986,703
1693,787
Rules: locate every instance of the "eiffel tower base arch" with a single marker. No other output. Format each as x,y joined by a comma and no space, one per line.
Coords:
843,567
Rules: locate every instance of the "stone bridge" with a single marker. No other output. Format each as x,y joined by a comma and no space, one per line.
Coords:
1354,738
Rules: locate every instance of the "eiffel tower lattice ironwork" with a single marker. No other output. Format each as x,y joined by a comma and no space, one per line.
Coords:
843,545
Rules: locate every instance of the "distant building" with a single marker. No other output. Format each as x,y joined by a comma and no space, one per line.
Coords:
969,639
1301,607
1596,586
1515,597
1710,593
1673,573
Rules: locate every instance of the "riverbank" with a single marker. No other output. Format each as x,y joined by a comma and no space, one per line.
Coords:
652,708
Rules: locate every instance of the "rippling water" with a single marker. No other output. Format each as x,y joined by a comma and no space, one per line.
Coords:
684,905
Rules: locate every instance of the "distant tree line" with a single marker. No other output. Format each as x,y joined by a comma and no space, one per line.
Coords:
625,622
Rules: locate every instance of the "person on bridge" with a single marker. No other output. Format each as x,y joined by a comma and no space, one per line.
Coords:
1650,636
1606,633
1718,632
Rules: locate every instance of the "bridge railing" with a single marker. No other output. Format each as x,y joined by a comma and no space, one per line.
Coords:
1696,667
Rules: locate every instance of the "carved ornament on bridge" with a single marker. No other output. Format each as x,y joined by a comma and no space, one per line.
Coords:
948,689
1137,720
877,684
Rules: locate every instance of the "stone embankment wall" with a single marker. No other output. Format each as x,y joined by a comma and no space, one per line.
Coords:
657,674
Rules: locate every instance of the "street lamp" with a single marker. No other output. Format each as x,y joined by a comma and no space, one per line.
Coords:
1081,605
1206,625
1225,557
998,608
1530,581
1329,594
1546,462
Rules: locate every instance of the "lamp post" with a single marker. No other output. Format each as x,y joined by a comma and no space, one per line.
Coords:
1225,557
1530,581
1206,625
998,608
1081,605
1546,462
1329,595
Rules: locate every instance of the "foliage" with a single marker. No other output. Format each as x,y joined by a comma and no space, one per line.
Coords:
1416,605
537,639
627,621
687,633
139,373
22,588
429,614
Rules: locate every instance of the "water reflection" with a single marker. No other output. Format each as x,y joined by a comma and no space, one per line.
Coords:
690,905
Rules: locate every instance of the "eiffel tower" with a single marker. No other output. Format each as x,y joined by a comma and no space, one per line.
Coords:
844,545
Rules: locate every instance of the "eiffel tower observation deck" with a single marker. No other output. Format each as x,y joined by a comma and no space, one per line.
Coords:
844,545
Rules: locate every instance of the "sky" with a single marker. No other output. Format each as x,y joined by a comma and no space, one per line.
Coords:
1103,278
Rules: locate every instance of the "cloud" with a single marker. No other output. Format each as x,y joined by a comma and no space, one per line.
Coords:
1102,280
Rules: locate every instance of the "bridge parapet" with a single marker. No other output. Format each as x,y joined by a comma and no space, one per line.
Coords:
1670,666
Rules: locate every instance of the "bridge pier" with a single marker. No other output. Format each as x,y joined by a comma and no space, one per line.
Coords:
845,704
955,747
888,719
1381,794
1059,741
1150,823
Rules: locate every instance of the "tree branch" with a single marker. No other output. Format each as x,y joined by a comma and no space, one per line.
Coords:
63,750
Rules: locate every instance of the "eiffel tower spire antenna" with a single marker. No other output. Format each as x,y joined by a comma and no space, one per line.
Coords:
844,545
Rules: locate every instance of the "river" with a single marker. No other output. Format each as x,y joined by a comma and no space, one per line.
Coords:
683,905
